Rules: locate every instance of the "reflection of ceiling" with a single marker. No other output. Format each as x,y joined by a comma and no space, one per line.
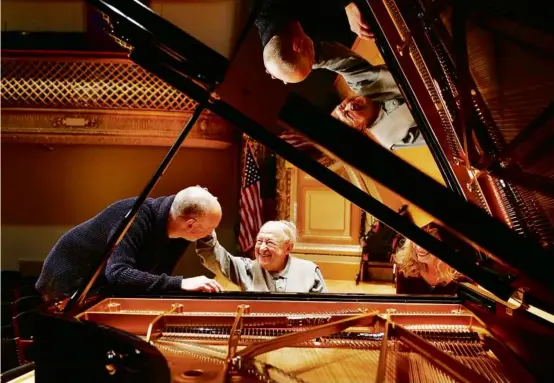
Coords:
216,23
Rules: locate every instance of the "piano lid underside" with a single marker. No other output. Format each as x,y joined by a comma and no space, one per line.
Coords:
511,70
195,341
516,82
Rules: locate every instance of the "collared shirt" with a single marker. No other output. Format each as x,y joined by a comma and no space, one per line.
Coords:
280,278
243,271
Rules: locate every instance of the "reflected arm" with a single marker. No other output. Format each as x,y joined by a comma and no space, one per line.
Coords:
365,79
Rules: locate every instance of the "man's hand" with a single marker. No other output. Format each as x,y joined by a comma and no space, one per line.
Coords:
357,23
201,283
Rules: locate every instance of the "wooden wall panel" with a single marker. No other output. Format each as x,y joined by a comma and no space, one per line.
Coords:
43,16
327,223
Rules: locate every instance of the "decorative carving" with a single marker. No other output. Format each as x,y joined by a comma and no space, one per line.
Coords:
321,248
283,189
326,160
110,28
68,98
112,128
287,198
76,121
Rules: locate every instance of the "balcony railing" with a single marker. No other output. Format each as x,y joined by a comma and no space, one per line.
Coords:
72,97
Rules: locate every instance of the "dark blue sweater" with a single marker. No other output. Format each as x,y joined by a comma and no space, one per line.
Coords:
141,263
322,20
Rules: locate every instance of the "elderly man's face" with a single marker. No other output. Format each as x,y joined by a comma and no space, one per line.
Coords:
355,112
272,248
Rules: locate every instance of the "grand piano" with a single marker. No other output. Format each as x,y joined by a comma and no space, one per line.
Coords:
490,131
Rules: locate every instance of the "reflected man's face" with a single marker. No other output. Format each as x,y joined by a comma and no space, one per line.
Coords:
356,112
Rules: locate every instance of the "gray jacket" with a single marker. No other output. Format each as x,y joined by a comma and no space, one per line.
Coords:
395,127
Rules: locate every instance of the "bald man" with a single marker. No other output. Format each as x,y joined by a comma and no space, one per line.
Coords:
291,31
144,259
273,270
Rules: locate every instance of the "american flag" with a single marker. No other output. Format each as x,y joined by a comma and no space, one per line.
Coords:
250,202
297,140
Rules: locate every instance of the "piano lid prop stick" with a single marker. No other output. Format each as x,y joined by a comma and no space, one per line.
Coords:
80,295
154,328
234,336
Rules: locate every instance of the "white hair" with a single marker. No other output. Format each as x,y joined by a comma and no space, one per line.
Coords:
194,201
288,228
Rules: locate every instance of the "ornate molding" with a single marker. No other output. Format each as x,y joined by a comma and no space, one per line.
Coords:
283,189
75,98
340,250
65,122
286,207
47,126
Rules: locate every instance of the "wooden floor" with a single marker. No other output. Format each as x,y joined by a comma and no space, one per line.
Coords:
338,286
342,286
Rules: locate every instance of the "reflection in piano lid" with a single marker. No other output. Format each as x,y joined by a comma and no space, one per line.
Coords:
499,200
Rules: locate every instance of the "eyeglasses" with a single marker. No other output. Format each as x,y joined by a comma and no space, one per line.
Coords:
268,242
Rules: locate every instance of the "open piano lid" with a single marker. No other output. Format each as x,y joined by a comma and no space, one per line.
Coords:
194,69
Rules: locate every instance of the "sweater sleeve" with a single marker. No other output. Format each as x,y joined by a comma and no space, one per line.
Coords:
121,271
221,262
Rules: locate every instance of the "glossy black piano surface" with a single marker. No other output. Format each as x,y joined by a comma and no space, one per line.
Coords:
479,124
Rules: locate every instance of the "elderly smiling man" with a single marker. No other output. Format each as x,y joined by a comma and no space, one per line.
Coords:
377,107
274,269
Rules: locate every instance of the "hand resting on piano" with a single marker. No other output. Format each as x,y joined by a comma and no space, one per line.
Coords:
201,283
144,259
273,270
